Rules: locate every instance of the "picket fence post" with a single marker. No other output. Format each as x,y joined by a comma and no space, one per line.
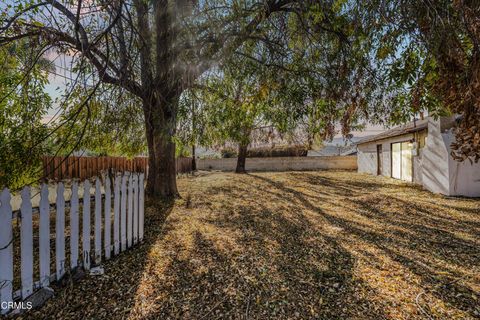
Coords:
26,243
60,232
108,215
74,231
98,221
44,236
130,211
123,220
116,215
141,209
86,225
135,209
6,250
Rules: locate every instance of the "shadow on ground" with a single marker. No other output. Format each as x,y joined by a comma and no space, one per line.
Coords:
299,245
113,295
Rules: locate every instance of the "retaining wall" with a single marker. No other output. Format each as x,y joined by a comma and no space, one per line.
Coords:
281,163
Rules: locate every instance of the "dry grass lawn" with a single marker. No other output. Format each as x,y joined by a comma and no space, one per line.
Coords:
294,245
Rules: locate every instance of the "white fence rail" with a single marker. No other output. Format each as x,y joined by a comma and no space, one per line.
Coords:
35,238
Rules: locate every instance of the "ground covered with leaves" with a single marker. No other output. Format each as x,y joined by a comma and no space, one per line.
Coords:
294,245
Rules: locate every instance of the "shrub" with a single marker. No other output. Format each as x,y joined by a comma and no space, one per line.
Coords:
282,151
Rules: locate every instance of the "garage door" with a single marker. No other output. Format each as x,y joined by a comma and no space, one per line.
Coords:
402,161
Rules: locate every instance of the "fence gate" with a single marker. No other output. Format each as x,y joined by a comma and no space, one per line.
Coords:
26,234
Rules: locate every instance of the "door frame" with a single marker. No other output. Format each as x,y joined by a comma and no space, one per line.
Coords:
379,159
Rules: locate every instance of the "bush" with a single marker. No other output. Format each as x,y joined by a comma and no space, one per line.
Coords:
229,153
283,151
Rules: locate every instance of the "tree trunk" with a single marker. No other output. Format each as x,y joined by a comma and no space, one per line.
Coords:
194,161
160,128
242,156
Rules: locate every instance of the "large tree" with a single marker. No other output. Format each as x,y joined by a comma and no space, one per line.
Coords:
157,49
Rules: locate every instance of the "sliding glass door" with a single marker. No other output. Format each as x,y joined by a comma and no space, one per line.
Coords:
402,161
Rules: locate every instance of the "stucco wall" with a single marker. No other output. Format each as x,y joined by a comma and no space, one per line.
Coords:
367,158
418,166
435,161
464,176
281,163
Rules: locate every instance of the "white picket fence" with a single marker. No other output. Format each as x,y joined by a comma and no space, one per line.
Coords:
128,227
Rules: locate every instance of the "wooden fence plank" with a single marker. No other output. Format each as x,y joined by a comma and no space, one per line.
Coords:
74,230
58,168
86,225
123,214
26,244
60,232
108,218
141,209
116,215
135,208
130,211
6,254
44,241
98,221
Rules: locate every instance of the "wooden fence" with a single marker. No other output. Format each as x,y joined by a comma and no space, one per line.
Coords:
59,168
29,240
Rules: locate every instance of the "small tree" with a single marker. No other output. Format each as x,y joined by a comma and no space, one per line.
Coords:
239,99
191,123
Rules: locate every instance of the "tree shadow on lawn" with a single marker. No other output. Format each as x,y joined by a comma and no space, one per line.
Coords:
280,266
276,252
250,261
113,295
438,257
276,268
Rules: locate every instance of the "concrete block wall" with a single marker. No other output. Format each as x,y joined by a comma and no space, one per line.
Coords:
281,163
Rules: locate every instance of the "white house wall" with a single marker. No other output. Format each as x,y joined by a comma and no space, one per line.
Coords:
433,167
464,176
436,176
367,158
367,155
418,167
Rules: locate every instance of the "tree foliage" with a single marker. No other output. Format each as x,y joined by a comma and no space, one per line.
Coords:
108,124
433,53
23,103
340,61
